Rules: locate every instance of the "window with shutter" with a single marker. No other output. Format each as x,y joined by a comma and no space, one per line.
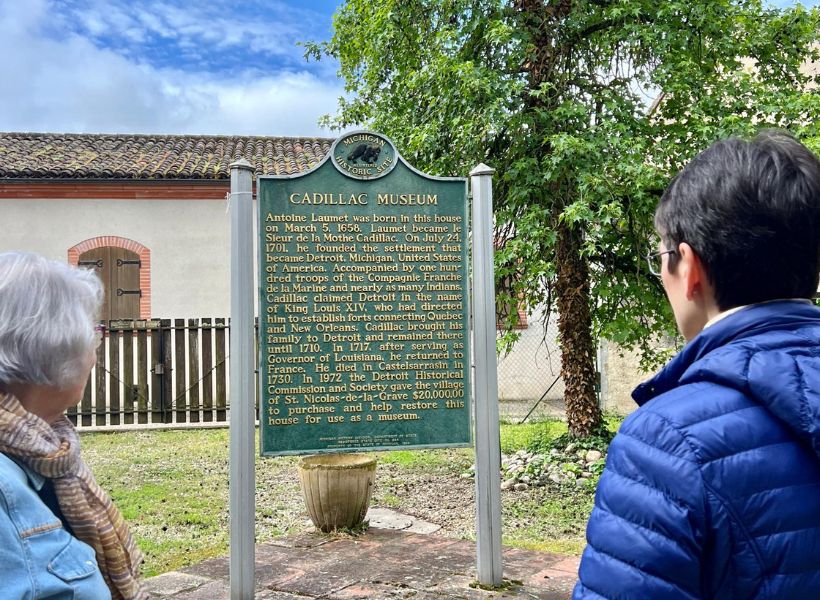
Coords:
119,270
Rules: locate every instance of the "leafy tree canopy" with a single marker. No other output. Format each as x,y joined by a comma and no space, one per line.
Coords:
586,108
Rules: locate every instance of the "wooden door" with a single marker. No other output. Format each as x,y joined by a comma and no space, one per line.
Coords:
119,270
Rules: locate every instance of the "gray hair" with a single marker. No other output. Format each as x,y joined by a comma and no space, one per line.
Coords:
48,311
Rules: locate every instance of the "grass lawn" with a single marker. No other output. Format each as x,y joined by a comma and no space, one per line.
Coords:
172,487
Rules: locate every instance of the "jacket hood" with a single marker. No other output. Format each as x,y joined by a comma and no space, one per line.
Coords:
769,351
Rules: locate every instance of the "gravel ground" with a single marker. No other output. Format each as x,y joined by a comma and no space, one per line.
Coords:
437,494
436,491
551,517
441,496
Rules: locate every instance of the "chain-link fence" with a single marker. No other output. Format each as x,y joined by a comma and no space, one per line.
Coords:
529,376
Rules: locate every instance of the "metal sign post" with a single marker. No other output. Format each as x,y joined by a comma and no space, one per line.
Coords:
487,437
242,417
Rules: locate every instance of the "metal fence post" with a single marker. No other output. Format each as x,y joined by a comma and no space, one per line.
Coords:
242,417
488,437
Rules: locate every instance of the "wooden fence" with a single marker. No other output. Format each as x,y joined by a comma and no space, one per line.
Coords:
158,372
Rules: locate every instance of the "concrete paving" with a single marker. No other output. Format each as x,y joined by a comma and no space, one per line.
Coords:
396,558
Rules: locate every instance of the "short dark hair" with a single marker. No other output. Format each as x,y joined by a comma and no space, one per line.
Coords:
751,212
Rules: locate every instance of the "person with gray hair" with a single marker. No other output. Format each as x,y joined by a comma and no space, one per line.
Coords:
60,534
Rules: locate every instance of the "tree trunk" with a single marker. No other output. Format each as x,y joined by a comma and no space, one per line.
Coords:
541,21
577,365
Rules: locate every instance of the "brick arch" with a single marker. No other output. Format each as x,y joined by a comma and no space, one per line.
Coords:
120,242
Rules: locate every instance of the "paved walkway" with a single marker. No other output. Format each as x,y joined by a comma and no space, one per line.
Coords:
393,562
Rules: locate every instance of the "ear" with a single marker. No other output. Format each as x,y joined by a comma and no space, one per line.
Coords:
692,272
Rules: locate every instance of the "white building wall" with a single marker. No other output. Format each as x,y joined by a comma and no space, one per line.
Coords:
620,374
188,240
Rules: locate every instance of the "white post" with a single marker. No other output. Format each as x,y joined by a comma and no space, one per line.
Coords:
242,389
603,378
487,437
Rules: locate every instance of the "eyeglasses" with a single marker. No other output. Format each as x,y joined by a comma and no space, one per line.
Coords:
655,261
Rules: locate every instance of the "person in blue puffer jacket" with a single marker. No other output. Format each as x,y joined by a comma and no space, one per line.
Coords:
712,487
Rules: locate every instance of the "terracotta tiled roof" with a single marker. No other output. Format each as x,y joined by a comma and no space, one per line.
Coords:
112,156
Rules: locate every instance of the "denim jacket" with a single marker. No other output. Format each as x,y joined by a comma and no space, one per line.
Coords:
39,559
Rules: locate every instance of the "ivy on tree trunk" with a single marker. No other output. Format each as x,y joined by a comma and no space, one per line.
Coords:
577,348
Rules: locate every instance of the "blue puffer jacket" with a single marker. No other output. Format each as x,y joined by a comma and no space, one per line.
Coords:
712,487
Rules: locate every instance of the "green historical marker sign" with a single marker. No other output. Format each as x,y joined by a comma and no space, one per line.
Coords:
363,305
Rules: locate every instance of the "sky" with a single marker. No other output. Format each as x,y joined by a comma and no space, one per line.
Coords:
165,66
168,66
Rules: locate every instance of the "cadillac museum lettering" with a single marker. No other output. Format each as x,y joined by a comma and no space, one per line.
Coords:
363,305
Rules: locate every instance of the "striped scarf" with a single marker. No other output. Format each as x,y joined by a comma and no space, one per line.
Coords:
53,451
